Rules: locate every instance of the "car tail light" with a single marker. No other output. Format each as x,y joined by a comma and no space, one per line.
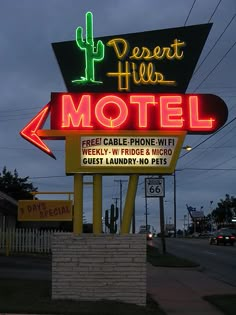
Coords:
232,237
220,236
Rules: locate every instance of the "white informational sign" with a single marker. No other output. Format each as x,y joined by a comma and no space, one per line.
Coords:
101,151
154,187
197,214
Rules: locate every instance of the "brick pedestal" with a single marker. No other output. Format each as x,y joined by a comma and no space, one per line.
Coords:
94,267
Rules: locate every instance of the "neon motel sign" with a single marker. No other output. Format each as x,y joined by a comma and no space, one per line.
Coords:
95,111
117,86
125,111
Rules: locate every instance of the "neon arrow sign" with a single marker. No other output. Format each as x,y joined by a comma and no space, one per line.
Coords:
29,132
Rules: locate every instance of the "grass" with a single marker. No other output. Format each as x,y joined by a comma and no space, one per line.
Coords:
34,296
167,260
226,303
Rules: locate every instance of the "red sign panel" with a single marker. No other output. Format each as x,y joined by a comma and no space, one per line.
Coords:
194,113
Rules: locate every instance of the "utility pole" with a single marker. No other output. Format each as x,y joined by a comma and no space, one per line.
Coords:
120,181
174,203
115,201
162,223
146,213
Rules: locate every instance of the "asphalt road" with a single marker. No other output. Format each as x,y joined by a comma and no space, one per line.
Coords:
218,262
25,267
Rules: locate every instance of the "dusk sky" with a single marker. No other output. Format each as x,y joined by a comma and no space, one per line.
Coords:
29,73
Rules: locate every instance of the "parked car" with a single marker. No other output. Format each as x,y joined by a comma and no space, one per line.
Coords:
229,230
195,235
148,234
205,234
222,237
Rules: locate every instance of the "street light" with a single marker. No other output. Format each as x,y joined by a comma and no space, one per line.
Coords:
187,148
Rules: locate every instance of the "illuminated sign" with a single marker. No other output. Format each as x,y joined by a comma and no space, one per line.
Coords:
76,112
92,54
140,68
194,113
153,61
44,210
130,82
124,152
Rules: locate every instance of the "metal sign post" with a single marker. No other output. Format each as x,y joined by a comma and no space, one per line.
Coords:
155,187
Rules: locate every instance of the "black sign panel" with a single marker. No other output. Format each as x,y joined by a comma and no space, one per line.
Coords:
160,61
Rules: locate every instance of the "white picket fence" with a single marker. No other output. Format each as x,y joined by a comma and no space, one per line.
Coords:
26,240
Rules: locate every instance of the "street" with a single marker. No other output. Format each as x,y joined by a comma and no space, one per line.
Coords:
25,267
218,262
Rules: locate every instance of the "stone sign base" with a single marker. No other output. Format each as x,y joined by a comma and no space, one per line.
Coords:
91,267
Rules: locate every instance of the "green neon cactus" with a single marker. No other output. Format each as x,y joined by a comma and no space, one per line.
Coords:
112,225
92,54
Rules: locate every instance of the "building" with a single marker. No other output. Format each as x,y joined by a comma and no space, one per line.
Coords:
8,211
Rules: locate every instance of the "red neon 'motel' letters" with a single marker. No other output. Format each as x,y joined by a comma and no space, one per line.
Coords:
95,111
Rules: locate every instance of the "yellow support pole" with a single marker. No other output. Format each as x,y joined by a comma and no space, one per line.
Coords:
97,204
129,204
78,204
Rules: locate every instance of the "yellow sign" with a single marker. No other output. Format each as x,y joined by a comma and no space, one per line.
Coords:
124,152
45,210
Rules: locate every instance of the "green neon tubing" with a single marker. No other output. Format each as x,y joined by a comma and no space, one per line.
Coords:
92,54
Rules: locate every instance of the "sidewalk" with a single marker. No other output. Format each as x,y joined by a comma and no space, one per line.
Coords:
179,291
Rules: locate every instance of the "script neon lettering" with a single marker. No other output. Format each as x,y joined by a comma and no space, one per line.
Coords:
76,115
119,51
195,122
143,101
168,112
145,74
142,73
110,122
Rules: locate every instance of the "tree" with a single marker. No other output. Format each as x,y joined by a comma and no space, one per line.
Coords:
225,210
15,186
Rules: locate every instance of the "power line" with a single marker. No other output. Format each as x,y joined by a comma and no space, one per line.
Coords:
53,176
189,12
6,115
18,109
214,45
10,119
208,137
214,11
28,149
215,66
206,169
206,149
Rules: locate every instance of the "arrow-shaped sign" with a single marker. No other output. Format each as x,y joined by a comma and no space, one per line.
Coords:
29,132
74,113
